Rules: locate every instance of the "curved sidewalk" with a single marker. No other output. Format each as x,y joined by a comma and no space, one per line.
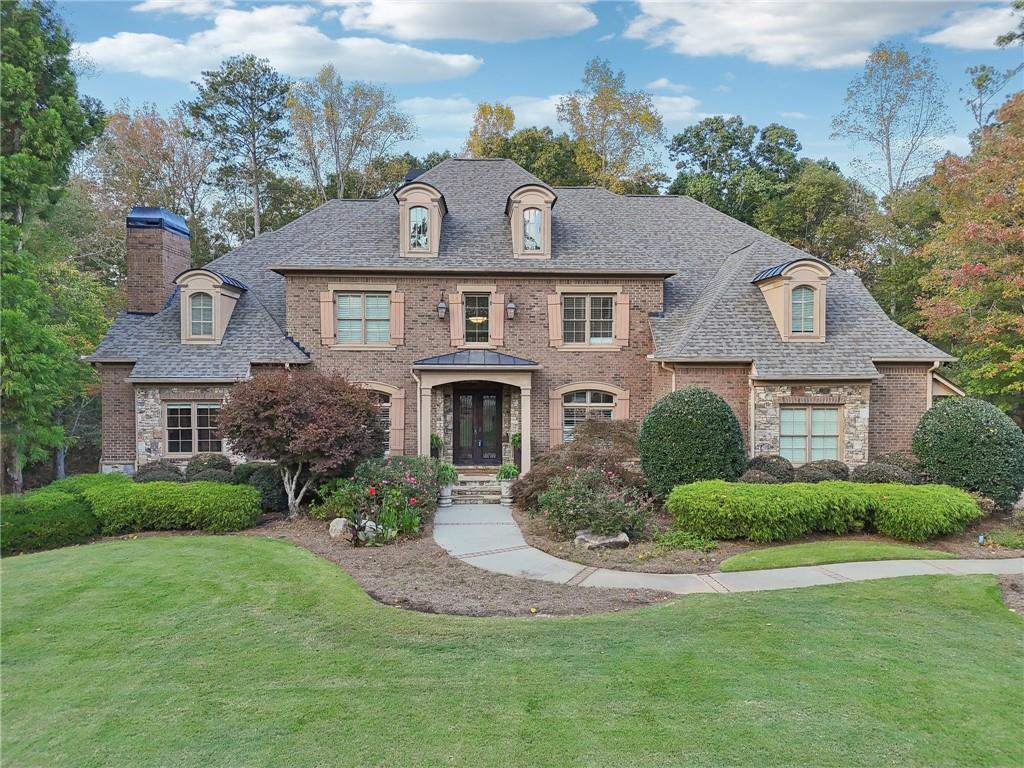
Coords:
487,536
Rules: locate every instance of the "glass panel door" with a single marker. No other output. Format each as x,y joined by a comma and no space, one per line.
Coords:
490,428
462,443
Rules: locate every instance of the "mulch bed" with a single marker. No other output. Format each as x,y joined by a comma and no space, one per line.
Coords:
417,574
1013,592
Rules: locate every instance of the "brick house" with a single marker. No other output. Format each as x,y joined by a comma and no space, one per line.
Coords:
486,308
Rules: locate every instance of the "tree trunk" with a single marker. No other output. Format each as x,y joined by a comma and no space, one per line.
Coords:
59,460
16,472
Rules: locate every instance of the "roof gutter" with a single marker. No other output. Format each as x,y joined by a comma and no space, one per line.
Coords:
286,268
147,380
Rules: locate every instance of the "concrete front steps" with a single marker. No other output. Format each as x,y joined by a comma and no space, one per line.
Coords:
476,488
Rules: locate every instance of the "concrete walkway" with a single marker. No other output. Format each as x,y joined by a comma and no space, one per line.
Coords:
487,536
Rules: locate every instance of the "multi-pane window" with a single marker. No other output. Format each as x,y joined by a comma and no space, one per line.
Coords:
383,400
533,221
478,307
802,310
419,218
193,428
364,318
582,405
587,319
809,433
201,307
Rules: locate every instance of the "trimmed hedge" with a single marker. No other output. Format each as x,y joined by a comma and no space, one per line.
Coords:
203,462
690,434
758,476
972,445
213,476
837,470
766,513
79,484
158,471
45,519
158,506
908,464
808,473
876,472
778,466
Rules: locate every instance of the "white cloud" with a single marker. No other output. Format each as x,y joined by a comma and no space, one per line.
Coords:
958,145
975,29
183,7
535,110
281,33
806,33
451,115
664,84
678,111
794,115
493,21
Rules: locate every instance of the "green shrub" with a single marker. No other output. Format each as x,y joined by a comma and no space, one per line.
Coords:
1008,538
156,506
415,476
507,472
446,474
676,539
808,473
267,480
688,435
972,445
78,484
758,476
590,498
777,466
874,472
244,471
836,470
765,513
202,462
212,476
908,464
159,471
44,519
338,498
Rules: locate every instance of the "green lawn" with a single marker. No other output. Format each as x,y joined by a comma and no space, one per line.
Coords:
234,651
822,552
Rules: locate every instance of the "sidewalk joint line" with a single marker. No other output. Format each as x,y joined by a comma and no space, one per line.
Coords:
500,551
833,574
713,580
582,575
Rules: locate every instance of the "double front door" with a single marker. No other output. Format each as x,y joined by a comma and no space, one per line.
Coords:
477,425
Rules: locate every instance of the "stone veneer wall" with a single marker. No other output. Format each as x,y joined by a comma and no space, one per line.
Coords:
854,401
149,418
442,418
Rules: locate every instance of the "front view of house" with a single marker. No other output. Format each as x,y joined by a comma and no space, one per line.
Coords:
490,313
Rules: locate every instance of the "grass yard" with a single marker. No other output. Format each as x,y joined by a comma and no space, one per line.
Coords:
240,651
823,552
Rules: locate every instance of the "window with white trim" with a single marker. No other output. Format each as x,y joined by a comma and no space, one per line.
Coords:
587,319
533,229
582,405
193,428
419,228
802,310
383,400
363,318
477,314
201,314
809,433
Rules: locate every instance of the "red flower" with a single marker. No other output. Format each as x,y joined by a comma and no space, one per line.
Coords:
372,491
412,501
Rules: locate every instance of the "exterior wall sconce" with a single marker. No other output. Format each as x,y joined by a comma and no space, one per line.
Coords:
510,309
442,308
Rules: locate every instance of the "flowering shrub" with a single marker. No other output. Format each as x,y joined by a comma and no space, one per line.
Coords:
597,499
414,476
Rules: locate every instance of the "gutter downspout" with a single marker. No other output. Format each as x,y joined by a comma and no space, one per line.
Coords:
672,371
931,384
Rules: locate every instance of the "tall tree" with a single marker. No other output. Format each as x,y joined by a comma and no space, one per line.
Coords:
491,123
285,199
974,285
549,157
1014,36
984,83
619,131
241,111
896,107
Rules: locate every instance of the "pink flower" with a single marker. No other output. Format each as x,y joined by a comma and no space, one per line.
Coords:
372,491
412,501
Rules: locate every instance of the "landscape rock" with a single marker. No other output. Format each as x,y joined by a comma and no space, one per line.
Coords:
590,540
338,527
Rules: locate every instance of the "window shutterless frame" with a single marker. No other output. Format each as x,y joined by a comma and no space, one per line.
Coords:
809,433
192,427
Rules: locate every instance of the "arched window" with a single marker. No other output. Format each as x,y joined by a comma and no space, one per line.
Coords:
201,308
419,237
582,405
533,228
383,400
802,309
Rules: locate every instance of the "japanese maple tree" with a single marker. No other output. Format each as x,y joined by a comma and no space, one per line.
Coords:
311,424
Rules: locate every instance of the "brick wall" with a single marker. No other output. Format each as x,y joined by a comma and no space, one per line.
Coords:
525,336
730,382
898,400
155,257
117,416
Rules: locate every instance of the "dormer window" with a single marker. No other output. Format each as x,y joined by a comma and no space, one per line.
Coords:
421,208
201,305
795,294
529,212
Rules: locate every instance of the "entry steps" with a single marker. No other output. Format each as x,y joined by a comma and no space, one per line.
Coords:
476,488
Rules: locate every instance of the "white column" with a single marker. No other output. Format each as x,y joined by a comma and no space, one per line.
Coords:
425,415
524,427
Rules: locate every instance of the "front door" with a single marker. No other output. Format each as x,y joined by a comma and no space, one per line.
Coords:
477,427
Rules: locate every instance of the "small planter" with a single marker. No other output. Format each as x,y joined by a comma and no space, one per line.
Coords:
507,474
445,496
506,492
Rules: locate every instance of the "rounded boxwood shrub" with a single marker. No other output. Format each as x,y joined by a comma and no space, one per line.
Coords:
159,506
244,471
758,476
778,466
161,470
204,461
688,435
875,472
971,444
213,476
808,473
267,480
45,519
78,484
907,463
837,470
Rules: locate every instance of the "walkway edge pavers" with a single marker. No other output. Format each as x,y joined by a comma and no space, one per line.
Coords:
487,537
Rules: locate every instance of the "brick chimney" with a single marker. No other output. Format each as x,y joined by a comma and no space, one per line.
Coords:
159,249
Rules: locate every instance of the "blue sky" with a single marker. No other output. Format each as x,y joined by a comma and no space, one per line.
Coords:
781,61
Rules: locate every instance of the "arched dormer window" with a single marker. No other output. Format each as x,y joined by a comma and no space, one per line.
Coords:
201,314
795,294
529,213
419,228
421,209
802,309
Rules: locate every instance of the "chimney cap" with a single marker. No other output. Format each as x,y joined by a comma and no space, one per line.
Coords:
145,217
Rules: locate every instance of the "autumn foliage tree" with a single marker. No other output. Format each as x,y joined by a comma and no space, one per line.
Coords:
311,424
974,284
